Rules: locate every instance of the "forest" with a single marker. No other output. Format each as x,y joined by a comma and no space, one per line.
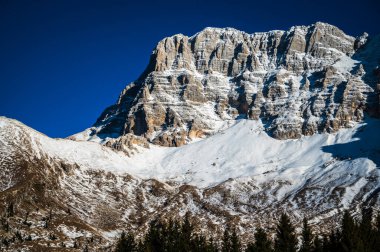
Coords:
356,235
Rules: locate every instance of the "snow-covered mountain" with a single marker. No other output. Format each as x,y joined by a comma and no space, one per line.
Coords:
231,127
307,80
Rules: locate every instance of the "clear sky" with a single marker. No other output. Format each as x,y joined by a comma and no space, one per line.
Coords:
63,61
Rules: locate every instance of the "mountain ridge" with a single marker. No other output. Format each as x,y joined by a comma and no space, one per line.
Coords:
188,76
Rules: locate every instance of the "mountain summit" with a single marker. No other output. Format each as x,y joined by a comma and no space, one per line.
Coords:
232,128
310,79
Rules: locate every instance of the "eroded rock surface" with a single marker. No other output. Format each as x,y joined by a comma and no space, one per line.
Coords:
302,81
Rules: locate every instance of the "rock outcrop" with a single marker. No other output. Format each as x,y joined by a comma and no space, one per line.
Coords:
306,80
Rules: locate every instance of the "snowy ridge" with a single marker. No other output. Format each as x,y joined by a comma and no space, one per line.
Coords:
243,150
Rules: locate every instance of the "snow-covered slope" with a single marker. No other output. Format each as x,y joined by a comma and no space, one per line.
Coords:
243,150
246,150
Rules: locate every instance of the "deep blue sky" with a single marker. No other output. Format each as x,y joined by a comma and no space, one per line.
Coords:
63,62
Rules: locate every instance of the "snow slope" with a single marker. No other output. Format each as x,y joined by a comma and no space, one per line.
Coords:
243,150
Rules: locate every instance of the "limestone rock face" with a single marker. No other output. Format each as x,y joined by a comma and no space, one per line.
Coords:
299,82
127,143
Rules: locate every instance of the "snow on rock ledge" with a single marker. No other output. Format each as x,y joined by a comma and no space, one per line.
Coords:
300,82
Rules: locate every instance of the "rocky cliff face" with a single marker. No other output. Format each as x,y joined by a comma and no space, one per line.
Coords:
306,80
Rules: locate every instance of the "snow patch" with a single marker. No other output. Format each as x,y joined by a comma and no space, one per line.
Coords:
345,64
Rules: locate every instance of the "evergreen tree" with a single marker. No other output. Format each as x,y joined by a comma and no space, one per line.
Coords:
200,244
126,243
187,230
317,245
226,242
235,242
307,237
377,231
173,236
366,231
153,241
10,210
286,240
211,246
333,243
262,242
350,240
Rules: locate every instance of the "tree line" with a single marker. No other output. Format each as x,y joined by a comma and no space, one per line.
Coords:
172,236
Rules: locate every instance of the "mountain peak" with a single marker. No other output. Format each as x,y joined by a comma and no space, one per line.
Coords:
300,81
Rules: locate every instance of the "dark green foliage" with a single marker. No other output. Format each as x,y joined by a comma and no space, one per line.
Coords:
10,210
231,242
4,224
235,242
52,237
200,244
5,242
348,231
26,218
28,238
126,243
226,242
376,231
286,240
154,239
173,236
317,245
366,231
334,241
353,236
307,237
185,235
262,242
18,236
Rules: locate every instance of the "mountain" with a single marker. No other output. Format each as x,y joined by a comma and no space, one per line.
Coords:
233,128
307,80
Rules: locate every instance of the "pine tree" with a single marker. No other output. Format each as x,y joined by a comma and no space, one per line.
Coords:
10,210
186,232
317,245
333,243
226,241
262,243
235,242
211,246
350,240
199,244
153,240
307,237
286,240
366,231
377,231
126,243
172,236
